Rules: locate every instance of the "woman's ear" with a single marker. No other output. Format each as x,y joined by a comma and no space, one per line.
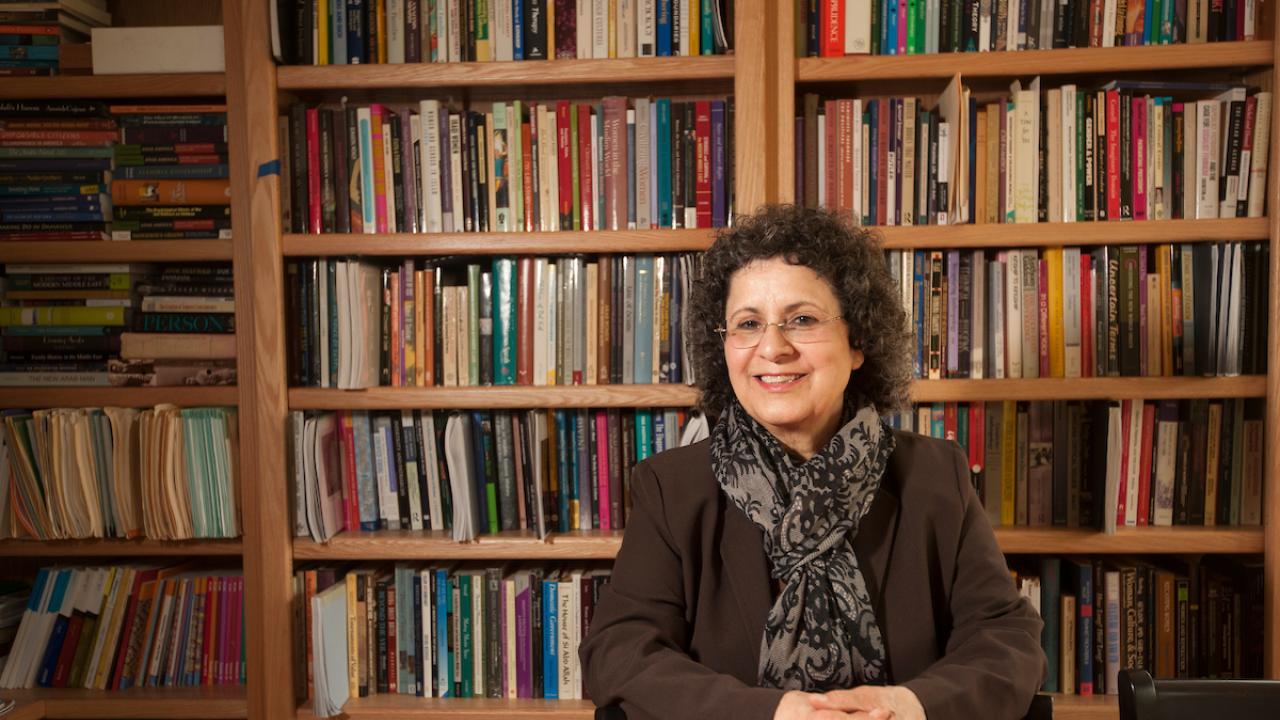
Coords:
858,358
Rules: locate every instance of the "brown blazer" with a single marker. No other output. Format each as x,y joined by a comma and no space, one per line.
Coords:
677,632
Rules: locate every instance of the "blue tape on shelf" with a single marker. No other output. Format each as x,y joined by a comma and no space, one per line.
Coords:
269,168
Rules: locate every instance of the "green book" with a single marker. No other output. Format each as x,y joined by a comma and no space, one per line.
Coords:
573,161
465,637
504,321
473,327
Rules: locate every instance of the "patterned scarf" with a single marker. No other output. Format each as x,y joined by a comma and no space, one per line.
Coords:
821,633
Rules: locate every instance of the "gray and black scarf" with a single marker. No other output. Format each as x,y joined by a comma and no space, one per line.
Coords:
821,633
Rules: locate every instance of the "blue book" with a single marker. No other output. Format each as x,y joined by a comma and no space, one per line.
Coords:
705,37
53,204
562,469
444,666
886,47
355,31
54,164
937,421
338,33
891,23
504,321
583,487
479,480
42,191
421,604
366,482
642,351
1050,598
550,640
664,163
663,31
644,434
1084,626
659,432
184,630
1149,19
569,482
920,292
719,160
364,122
11,216
406,650
19,53
517,40
168,172
58,632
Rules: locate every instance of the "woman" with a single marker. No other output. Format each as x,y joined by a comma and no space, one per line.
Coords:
806,560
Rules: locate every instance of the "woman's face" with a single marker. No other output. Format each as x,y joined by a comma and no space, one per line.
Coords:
794,389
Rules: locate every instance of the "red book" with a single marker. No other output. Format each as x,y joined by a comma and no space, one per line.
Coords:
68,653
884,121
846,127
1144,471
615,163
524,321
830,143
526,182
313,169
564,154
392,666
1122,486
1113,154
237,633
57,137
702,161
379,169
1043,305
832,28
350,490
212,607
949,420
1138,123
1087,361
602,468
428,360
586,197
977,436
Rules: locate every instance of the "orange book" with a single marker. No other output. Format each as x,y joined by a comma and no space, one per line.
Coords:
379,167
171,192
212,591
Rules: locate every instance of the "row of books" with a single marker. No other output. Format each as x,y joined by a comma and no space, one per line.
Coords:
341,32
1174,618
451,631
1127,150
612,165
84,170
13,598
511,321
831,28
164,473
1108,464
1129,310
123,626
121,324
474,472
32,34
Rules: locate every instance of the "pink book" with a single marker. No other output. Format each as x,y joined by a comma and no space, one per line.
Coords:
1138,120
602,468
313,170
1043,303
904,15
1087,361
380,188
1122,486
350,491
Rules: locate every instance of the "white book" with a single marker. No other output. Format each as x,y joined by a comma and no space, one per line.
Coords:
1158,204
1166,468
515,159
1030,314
442,31
1250,11
933,9
511,678
1069,153
1025,142
548,140
502,39
297,434
647,40
682,19
119,577
908,160
346,342
388,504
1071,304
625,28
1017,40
985,20
593,29
329,649
643,171
1013,312
553,294
1053,117
1111,491
429,159
1132,471
395,31
997,325
944,169
455,170
388,173
978,336
540,311
566,595
370,291
427,452
1257,184
410,477
857,27
1109,34
1207,153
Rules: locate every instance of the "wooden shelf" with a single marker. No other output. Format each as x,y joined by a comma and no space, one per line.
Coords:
100,547
200,703
29,397
539,243
437,545
495,74
1108,388
1085,707
505,397
106,251
1072,234
61,87
1194,540
604,544
1070,61
398,707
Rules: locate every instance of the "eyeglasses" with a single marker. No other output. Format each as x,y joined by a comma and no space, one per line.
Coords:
799,329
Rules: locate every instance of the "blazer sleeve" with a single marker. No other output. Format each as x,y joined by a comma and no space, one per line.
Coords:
993,663
635,653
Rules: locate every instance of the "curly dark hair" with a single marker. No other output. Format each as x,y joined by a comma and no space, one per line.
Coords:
852,262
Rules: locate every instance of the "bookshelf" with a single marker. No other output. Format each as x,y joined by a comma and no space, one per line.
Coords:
158,251
211,703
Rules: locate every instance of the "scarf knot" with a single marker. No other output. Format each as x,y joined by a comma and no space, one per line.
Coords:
821,633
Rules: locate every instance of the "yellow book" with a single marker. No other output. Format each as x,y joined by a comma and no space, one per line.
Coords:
322,32
1155,322
694,23
1008,461
483,51
1164,267
980,181
353,638
613,29
420,327
1057,338
62,315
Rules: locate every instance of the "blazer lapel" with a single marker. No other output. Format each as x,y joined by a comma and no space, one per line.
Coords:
747,568
874,543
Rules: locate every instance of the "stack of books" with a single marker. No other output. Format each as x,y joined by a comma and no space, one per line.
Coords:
32,34
165,473
171,179
55,162
117,627
184,332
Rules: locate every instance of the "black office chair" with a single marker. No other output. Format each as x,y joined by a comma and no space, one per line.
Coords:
1142,698
1041,709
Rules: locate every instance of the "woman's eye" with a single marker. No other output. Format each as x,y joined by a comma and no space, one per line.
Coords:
803,321
747,325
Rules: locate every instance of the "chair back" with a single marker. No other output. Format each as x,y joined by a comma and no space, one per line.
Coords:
1041,709
1142,698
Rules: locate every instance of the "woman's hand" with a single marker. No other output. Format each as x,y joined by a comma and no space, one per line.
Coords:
797,705
871,702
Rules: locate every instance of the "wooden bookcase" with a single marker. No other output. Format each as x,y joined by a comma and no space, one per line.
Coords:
766,79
